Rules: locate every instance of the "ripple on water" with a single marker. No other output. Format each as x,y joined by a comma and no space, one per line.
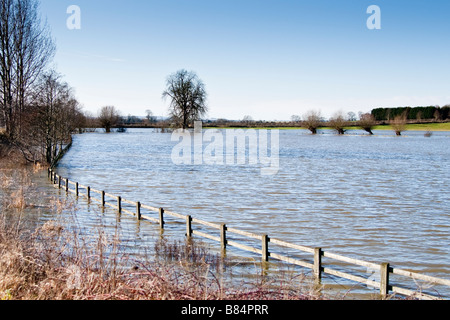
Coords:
373,197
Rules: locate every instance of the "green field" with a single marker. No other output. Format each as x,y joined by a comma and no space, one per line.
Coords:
409,127
420,127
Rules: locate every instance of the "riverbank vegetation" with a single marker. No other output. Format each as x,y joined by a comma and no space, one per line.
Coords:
57,261
38,110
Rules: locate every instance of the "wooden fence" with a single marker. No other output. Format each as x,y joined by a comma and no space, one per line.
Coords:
382,274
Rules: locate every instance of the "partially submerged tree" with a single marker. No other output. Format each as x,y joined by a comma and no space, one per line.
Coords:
398,124
108,117
366,122
338,122
187,96
312,120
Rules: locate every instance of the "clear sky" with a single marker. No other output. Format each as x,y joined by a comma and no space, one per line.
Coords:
267,59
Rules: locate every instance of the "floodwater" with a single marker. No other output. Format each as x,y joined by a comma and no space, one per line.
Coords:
379,198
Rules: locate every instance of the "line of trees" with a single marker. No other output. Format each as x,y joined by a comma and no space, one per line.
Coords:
311,120
412,113
187,96
37,108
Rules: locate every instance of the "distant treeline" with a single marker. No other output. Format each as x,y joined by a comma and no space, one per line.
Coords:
412,113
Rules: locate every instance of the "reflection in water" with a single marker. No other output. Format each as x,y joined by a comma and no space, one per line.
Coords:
377,198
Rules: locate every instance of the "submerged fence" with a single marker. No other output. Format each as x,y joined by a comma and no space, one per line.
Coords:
382,275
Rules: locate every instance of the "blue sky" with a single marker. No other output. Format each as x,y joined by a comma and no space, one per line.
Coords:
266,59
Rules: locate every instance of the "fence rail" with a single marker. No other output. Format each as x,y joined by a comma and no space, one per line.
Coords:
158,215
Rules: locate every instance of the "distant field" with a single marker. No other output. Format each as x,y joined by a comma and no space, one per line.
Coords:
409,127
420,127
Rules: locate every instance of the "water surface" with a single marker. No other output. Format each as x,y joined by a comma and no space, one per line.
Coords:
378,198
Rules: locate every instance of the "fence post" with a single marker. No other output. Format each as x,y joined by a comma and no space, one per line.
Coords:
384,279
59,182
67,184
265,247
138,210
54,177
223,237
161,218
188,227
77,189
318,264
88,192
119,204
103,198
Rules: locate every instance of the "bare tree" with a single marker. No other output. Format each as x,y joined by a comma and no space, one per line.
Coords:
108,117
25,50
295,119
188,97
366,122
90,122
49,120
338,122
247,120
351,116
437,116
312,120
399,124
150,117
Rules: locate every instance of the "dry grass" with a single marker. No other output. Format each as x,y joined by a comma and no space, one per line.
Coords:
55,262
14,184
10,157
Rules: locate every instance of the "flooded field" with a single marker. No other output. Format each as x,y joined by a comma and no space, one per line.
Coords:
376,198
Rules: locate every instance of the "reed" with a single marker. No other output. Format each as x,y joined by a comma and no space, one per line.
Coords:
13,186
53,262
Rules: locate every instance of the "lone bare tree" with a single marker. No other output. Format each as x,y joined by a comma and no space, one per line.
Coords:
247,120
399,124
150,117
296,119
26,48
187,97
312,120
366,122
108,117
338,122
